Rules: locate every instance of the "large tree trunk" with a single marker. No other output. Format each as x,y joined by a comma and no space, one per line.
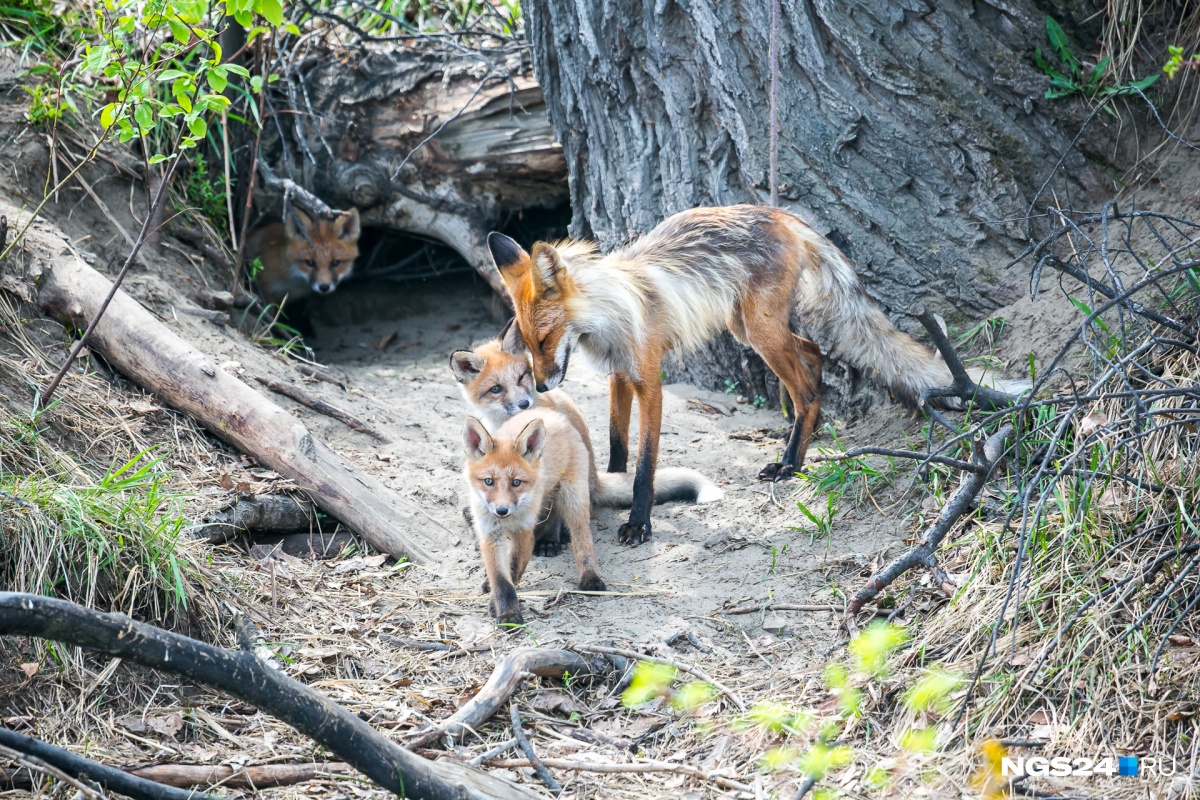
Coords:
913,134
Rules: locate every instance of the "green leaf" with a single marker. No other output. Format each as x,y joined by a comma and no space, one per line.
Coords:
244,18
198,127
217,79
1058,40
271,11
157,158
181,32
237,69
256,83
171,74
144,116
108,115
1144,83
292,28
1098,72
184,101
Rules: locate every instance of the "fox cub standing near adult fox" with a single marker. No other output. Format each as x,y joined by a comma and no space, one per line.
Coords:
752,270
543,483
536,458
302,256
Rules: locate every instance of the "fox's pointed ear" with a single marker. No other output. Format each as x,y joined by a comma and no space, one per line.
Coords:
510,339
476,440
531,441
347,227
296,223
466,365
549,272
508,255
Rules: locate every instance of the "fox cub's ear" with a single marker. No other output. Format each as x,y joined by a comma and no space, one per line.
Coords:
347,227
549,272
466,365
531,441
296,224
507,254
510,339
476,440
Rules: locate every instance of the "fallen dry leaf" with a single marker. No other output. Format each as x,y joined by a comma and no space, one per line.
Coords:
31,668
1091,423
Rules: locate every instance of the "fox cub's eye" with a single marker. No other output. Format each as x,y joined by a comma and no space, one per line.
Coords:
516,482
488,481
497,389
310,262
334,263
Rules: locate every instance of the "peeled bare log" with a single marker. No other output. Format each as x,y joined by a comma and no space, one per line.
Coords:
261,776
242,675
146,351
421,141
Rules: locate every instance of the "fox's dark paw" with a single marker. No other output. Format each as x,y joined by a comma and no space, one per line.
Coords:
510,617
590,582
776,472
487,586
634,533
547,547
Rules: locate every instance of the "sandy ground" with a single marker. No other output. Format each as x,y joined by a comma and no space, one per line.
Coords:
753,545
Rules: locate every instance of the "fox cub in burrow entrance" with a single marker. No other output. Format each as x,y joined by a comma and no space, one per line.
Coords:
497,383
302,256
535,459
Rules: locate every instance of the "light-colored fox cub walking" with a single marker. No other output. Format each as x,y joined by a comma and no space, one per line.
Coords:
535,459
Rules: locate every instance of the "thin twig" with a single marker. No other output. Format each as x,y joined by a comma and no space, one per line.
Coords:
527,748
303,397
159,197
637,766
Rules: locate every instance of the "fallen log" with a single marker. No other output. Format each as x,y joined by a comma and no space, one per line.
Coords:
147,352
242,675
265,513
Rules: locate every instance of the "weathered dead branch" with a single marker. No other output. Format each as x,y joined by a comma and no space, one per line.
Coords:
258,776
242,675
80,771
508,675
986,454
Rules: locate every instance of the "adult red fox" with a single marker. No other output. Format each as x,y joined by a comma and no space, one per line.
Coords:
497,384
749,269
535,459
303,256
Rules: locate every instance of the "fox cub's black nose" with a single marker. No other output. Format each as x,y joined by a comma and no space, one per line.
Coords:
524,404
501,511
541,387
324,288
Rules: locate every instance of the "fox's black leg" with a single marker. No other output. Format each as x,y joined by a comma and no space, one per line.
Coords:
620,407
637,529
550,535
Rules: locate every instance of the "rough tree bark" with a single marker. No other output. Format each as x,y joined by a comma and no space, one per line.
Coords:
911,132
421,141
